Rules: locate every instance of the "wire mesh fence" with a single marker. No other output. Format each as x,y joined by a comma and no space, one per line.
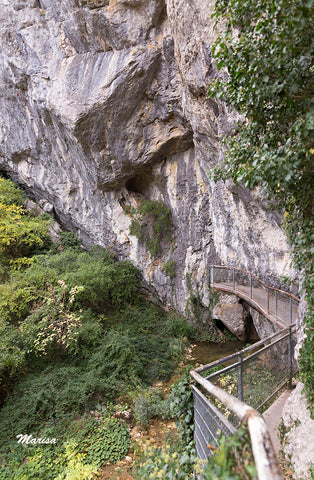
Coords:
254,375
209,424
272,302
259,371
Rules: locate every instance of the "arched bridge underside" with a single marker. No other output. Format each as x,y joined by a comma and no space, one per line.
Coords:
276,305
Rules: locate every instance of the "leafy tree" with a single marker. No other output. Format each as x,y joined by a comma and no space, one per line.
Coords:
10,193
268,47
21,234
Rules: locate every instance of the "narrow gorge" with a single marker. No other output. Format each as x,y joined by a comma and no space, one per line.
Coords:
104,104
106,123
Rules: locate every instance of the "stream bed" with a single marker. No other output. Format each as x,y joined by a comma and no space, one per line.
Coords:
207,352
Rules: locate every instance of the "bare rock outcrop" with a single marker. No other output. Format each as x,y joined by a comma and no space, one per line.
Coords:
299,440
231,313
103,103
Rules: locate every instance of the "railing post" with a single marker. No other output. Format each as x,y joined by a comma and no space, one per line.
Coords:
290,357
233,278
290,310
251,288
240,378
276,303
211,274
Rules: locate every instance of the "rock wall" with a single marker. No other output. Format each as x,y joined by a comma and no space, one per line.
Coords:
298,426
103,102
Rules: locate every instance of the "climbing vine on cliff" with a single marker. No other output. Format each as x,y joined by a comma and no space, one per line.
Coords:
267,47
151,222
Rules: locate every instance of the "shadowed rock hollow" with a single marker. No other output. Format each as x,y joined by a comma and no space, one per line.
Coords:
103,103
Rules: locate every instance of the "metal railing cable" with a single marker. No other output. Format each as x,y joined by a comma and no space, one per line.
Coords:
257,373
278,306
265,458
248,380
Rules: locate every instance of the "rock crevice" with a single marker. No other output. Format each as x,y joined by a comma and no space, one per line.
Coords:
103,100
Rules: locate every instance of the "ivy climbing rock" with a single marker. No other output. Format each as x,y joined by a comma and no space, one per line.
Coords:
104,104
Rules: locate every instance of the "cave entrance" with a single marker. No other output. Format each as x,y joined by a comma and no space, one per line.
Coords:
251,332
139,183
4,174
250,335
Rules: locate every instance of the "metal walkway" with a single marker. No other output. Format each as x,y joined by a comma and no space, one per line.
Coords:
247,380
276,305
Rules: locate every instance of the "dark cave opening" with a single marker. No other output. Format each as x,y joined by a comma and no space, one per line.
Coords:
223,329
139,183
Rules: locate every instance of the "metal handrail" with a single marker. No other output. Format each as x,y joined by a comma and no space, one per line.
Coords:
228,267
265,458
263,307
245,356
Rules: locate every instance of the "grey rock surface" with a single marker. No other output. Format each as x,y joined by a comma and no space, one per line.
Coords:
299,325
231,313
299,441
103,102
264,327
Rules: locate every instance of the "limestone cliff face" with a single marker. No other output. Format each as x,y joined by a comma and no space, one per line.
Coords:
103,102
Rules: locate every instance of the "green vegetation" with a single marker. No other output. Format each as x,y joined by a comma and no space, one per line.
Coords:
21,234
150,403
151,222
170,268
203,315
232,459
88,444
267,47
76,335
176,459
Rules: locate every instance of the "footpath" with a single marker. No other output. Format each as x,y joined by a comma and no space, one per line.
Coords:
272,417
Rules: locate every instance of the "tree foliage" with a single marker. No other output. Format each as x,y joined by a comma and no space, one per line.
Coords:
268,48
75,333
21,234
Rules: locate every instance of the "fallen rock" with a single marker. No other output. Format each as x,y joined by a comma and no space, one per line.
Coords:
231,313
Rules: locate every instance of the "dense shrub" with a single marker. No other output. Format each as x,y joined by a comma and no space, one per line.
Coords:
21,234
107,283
150,403
74,331
177,457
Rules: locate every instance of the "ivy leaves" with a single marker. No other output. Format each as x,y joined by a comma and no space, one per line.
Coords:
268,49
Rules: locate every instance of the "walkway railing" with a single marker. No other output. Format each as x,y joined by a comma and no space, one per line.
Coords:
264,456
246,379
278,306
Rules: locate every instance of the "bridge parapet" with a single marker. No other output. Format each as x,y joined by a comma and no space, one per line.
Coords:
276,305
